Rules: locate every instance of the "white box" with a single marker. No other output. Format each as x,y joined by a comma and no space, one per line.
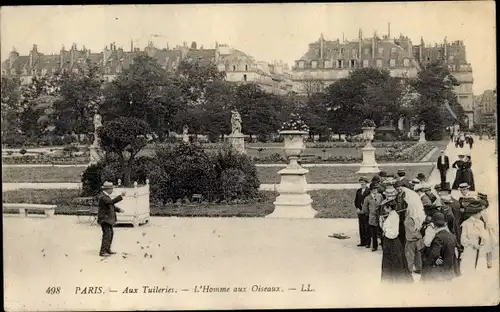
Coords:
135,205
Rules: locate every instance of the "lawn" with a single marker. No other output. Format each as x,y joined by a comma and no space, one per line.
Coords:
42,174
328,203
345,174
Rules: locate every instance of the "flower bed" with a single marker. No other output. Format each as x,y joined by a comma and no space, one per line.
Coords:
347,174
328,203
48,160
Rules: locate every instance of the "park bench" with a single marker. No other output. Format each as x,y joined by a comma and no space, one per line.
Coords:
196,198
88,214
49,210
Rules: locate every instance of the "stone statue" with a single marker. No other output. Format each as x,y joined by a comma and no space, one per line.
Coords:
97,125
235,122
185,130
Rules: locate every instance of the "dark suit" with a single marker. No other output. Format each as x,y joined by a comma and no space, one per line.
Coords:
443,246
364,236
443,168
106,217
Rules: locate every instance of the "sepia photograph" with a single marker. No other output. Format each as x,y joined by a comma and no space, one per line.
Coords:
249,156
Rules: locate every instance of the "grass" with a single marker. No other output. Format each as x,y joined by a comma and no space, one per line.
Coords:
328,203
338,174
42,174
266,174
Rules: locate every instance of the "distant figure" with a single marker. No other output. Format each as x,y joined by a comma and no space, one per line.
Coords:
469,141
443,165
106,217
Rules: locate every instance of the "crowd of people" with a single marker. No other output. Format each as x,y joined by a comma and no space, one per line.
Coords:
462,138
421,228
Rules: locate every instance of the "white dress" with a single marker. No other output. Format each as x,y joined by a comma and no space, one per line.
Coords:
473,229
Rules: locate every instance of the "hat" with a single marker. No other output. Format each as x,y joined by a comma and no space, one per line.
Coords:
373,186
463,186
382,174
390,192
420,176
389,181
418,187
398,184
461,156
401,170
388,200
415,181
438,219
363,179
482,196
107,185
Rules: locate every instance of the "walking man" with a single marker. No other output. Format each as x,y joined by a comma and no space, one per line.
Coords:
443,165
361,193
106,217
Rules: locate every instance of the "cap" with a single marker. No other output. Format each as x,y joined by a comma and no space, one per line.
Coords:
420,176
373,186
415,181
463,186
438,218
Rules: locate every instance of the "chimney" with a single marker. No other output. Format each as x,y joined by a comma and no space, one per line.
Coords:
13,56
131,45
373,44
360,34
321,46
445,48
389,30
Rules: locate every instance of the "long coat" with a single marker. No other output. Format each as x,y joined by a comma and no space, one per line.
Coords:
444,246
107,209
443,166
370,208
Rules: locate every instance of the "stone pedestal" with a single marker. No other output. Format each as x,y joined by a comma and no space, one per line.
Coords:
135,204
369,165
294,201
185,138
422,137
96,154
237,142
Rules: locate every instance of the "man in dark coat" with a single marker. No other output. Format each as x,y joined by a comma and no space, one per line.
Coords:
361,193
440,260
470,141
443,165
106,217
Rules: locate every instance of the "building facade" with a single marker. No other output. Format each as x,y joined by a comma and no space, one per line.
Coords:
327,61
239,67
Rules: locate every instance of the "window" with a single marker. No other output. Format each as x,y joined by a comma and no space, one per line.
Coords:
301,64
365,63
314,64
328,64
340,64
234,68
392,62
246,67
367,51
406,62
244,77
352,64
393,50
379,63
380,51
107,70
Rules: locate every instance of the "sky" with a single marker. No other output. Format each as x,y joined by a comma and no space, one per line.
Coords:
267,32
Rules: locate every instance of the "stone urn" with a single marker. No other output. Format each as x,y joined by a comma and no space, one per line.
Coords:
368,134
422,133
294,142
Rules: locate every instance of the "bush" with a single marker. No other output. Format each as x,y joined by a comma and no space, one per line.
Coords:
91,179
263,138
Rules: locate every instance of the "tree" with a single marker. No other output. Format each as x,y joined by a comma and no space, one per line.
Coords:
11,108
125,137
80,94
434,85
315,114
311,86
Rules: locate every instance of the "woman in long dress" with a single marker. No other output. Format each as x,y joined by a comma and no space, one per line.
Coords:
476,243
467,176
394,264
460,166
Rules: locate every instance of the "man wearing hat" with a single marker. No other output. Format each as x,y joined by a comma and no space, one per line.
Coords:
421,177
361,194
403,179
413,183
440,259
371,209
443,165
106,217
421,189
448,209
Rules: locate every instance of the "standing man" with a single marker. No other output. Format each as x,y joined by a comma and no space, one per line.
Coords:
106,217
441,257
470,141
443,165
371,209
361,193
403,179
